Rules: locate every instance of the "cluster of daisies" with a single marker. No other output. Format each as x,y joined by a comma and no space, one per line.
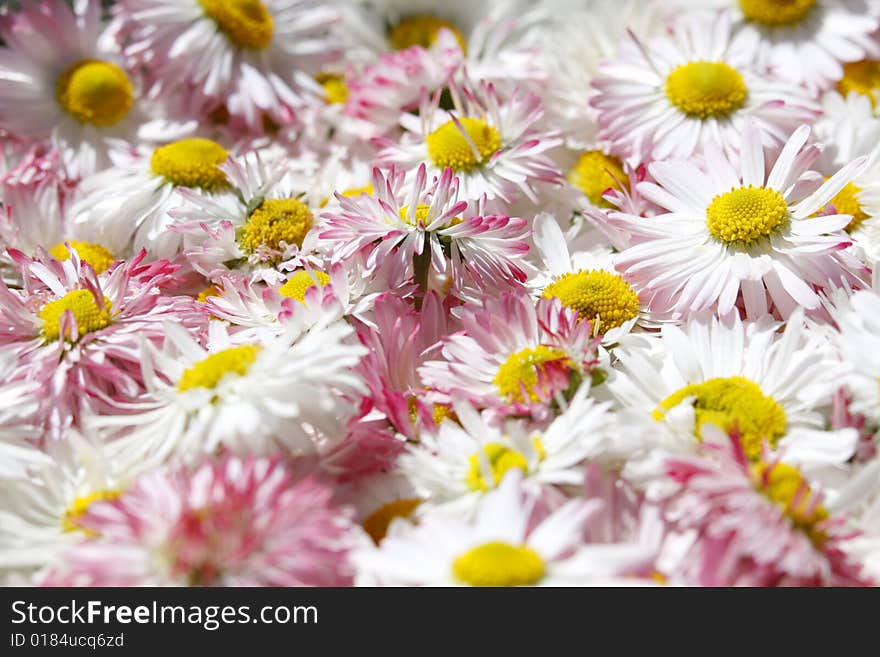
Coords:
423,292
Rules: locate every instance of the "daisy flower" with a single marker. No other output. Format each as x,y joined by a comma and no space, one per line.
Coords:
750,235
490,142
805,41
279,392
41,512
426,229
465,458
674,95
61,80
585,282
264,227
850,130
501,546
18,407
858,318
243,56
513,354
78,334
863,78
230,522
129,204
755,523
747,377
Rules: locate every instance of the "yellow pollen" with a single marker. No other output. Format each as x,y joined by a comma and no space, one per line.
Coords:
70,522
210,291
246,23
286,220
706,90
847,202
526,370
208,372
499,564
501,459
733,404
439,412
862,77
335,89
448,147
596,295
297,285
82,304
377,523
786,487
422,31
746,215
776,13
595,173
95,92
191,163
94,254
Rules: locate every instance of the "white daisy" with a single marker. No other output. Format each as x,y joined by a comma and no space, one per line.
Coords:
280,392
501,546
61,80
673,96
745,377
243,55
751,235
468,457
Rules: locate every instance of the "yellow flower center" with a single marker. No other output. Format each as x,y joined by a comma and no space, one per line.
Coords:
595,173
377,523
706,90
286,220
596,295
191,163
501,459
247,23
847,202
210,291
776,13
448,147
70,522
95,92
423,31
499,564
733,404
209,371
86,312
862,77
335,89
526,372
297,285
94,254
746,215
786,487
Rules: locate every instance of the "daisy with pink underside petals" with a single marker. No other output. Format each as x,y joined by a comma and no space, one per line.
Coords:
514,355
424,226
79,333
243,56
754,523
672,96
746,237
230,522
490,142
805,41
506,543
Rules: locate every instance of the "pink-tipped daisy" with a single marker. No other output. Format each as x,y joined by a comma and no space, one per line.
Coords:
746,236
513,354
755,523
230,522
491,142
